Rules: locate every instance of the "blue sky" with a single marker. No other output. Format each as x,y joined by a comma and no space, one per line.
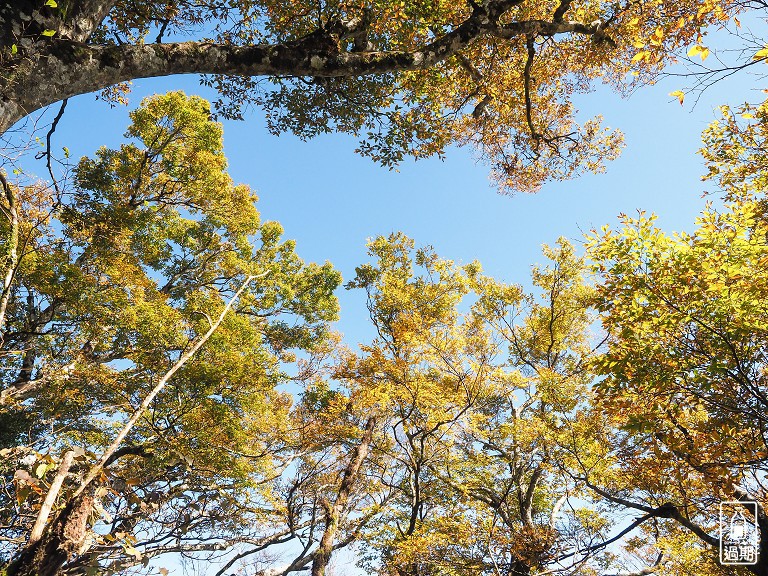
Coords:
331,200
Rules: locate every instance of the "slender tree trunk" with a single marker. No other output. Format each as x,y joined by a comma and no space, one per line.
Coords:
65,537
12,250
322,556
50,499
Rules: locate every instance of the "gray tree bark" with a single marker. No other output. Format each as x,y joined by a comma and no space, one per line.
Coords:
47,69
334,512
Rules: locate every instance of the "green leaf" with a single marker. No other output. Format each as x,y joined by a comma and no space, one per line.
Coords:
48,33
14,49
51,3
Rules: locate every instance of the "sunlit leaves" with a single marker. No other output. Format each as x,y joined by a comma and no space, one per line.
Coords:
734,151
117,277
685,364
482,393
513,105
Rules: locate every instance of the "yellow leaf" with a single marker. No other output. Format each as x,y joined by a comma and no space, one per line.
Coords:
748,115
41,469
761,54
642,55
679,94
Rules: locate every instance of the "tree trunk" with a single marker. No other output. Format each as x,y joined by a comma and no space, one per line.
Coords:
322,556
65,538
12,248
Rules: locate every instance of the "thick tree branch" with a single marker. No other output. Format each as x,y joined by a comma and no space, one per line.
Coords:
527,504
50,498
84,16
667,510
65,68
527,81
545,28
561,10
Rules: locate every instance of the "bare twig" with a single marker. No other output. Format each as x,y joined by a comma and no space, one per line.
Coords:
47,152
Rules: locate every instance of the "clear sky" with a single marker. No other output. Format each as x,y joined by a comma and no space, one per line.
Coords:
330,200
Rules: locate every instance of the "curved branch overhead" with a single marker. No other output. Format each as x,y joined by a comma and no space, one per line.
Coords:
66,67
413,77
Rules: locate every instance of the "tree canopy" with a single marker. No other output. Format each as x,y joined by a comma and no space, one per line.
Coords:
112,285
407,78
170,380
685,365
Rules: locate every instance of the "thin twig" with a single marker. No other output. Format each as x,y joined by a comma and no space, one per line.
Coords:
48,146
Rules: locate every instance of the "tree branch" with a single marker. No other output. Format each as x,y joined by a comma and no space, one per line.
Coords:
667,510
85,16
645,571
50,499
71,67
110,451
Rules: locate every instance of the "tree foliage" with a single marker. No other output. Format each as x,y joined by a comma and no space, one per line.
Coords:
113,282
407,78
684,371
480,394
170,383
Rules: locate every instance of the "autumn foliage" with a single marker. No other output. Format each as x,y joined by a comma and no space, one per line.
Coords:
171,385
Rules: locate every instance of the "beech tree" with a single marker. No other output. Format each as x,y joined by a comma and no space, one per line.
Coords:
483,419
137,284
685,366
409,78
147,318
